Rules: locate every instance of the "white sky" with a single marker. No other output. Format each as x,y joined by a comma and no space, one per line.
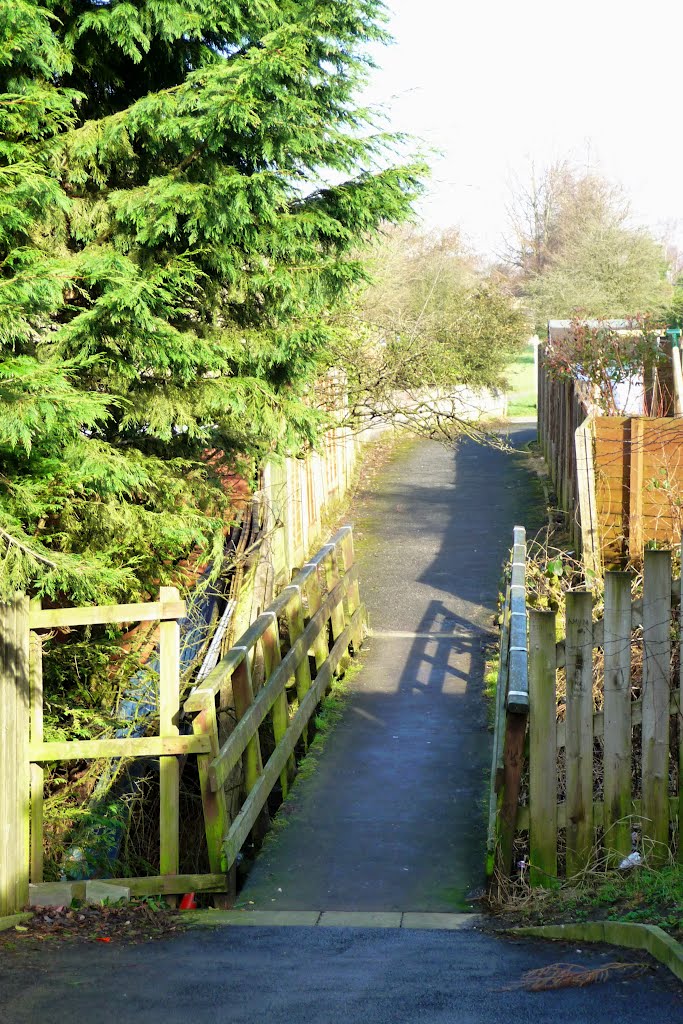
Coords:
494,84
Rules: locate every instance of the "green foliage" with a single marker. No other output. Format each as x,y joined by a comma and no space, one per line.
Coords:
576,252
431,318
183,186
603,358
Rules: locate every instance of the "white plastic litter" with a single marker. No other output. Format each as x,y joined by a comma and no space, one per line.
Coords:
632,861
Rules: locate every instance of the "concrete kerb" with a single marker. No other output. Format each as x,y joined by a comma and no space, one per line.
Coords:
14,919
648,937
330,919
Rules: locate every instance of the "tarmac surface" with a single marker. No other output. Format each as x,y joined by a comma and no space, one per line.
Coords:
394,817
323,976
393,821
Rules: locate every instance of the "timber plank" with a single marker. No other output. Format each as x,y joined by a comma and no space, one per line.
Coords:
55,618
656,678
617,721
133,746
579,730
542,748
169,767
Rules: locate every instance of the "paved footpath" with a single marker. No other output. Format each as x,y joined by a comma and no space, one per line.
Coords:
392,823
394,817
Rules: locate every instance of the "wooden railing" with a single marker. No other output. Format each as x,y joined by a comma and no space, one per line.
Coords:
322,616
601,802
511,710
24,751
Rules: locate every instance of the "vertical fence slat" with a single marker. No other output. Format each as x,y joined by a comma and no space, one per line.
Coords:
353,593
579,731
169,767
296,625
23,765
14,763
635,451
272,657
617,714
542,747
656,674
320,646
216,821
331,581
8,760
36,770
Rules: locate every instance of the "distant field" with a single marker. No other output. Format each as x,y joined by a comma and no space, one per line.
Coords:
522,385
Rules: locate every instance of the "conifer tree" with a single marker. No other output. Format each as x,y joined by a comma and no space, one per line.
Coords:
183,184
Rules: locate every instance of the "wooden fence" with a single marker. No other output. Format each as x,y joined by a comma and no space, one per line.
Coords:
605,743
320,614
619,479
300,492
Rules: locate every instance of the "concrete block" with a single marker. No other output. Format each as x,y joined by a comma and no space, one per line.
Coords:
50,894
359,919
98,892
253,918
444,922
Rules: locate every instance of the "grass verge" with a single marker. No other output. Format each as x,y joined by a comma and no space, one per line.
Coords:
521,380
641,896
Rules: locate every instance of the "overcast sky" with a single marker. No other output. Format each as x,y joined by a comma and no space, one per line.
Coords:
494,84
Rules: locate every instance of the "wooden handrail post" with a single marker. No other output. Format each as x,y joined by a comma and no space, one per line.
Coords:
14,763
214,804
243,695
617,714
169,767
272,657
579,730
36,736
656,685
542,748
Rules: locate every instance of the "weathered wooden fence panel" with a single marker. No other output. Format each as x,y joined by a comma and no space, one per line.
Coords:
618,478
605,799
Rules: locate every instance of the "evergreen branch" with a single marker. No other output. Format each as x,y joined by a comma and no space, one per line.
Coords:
12,541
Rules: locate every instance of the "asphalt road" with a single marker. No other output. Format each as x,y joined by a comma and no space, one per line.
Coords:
320,976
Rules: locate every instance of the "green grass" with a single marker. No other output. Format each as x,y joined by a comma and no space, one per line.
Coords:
522,385
642,896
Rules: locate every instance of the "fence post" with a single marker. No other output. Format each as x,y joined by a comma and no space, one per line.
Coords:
272,656
617,714
169,767
656,676
214,804
14,765
542,747
579,730
36,734
353,593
